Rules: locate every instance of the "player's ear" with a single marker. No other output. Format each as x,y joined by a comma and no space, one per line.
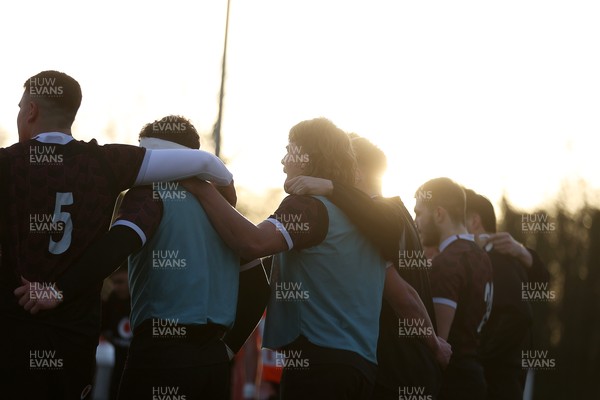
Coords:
32,112
438,215
477,221
472,221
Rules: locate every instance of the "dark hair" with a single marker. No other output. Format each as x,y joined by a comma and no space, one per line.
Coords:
55,92
480,205
369,157
330,154
173,128
445,193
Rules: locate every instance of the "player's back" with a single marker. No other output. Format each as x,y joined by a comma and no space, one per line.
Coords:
462,273
58,199
506,331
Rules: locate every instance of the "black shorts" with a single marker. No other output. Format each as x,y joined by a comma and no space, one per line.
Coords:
463,379
325,382
406,366
202,382
326,373
194,365
504,382
45,362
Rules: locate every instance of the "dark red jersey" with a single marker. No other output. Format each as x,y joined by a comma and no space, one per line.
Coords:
59,195
303,221
140,210
61,198
461,277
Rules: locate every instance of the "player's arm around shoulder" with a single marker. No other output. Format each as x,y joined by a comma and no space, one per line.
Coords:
248,240
173,164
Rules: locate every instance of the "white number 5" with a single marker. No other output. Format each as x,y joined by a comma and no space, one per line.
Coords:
62,199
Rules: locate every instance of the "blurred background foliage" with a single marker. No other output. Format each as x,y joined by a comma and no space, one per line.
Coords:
568,327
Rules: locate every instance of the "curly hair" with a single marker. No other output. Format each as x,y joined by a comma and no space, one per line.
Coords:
330,154
173,128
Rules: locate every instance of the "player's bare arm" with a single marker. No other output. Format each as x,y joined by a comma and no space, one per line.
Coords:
444,315
248,240
122,240
504,243
309,185
406,303
46,298
228,192
93,266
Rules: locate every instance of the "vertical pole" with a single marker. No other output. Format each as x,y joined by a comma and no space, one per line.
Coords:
217,127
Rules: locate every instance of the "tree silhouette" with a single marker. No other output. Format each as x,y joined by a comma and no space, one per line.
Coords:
568,327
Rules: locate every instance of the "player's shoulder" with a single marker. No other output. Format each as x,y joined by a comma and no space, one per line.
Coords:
74,147
15,148
112,147
112,153
473,255
462,246
506,266
141,206
393,203
309,207
302,201
395,207
455,252
446,259
20,150
502,259
140,194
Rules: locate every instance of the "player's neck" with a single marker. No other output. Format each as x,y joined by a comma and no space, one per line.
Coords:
49,125
478,231
452,230
45,130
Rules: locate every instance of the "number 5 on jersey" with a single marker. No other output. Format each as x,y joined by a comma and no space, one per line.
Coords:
62,199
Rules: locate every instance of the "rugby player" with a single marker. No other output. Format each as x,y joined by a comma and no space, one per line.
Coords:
508,331
327,279
57,199
405,362
461,284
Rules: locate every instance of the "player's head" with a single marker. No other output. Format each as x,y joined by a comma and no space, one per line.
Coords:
370,159
172,131
49,103
319,148
440,205
481,217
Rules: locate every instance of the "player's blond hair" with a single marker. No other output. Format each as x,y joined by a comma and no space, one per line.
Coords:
370,158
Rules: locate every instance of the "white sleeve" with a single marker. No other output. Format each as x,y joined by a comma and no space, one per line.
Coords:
169,165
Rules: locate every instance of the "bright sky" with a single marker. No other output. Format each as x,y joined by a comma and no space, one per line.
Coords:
503,97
